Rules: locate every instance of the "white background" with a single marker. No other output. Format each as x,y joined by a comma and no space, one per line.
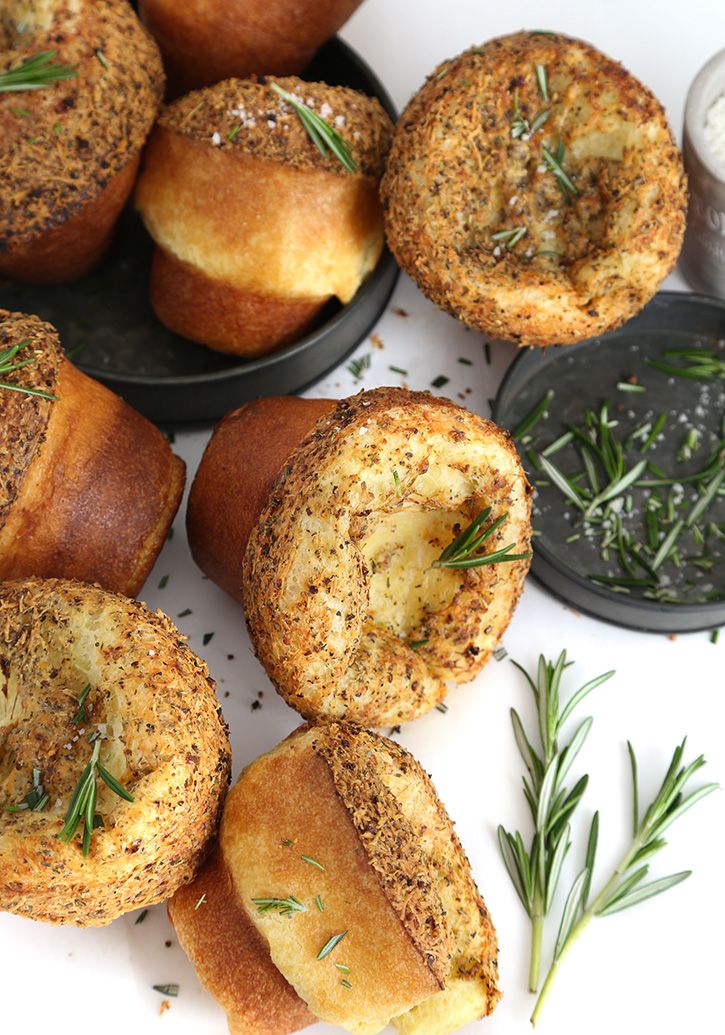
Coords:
658,968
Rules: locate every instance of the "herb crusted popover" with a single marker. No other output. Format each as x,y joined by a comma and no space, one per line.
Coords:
338,890
534,190
344,528
69,151
114,757
256,229
88,487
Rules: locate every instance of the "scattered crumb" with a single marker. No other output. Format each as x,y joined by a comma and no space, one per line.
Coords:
672,636
256,705
377,341
400,312
165,1005
168,944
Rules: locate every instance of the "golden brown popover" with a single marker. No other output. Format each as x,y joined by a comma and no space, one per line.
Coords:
89,487
534,190
255,229
88,675
69,152
204,41
339,890
331,518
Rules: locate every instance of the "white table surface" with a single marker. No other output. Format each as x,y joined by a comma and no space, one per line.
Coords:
657,968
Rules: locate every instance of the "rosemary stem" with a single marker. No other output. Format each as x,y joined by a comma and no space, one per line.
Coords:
588,914
537,933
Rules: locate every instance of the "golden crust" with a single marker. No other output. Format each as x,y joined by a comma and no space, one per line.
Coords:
456,176
390,872
204,41
344,609
262,124
89,486
153,705
62,145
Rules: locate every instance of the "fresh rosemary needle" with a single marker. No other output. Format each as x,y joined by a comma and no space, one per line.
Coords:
35,800
462,552
83,801
535,873
35,73
625,888
553,161
330,944
9,364
326,139
283,906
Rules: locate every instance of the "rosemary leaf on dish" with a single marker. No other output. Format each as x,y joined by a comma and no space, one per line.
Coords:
35,73
326,139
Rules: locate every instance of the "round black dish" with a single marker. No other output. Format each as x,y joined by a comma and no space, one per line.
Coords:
106,321
586,375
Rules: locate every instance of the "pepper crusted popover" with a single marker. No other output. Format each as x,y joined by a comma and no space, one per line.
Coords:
204,41
255,229
114,757
336,521
69,152
88,487
339,890
534,190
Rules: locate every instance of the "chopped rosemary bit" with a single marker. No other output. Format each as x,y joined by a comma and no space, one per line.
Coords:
283,906
234,133
396,481
330,944
81,714
35,800
185,613
200,902
207,638
343,968
439,381
554,164
9,364
141,917
462,552
83,802
170,990
510,237
500,653
399,370
163,581
415,644
345,983
542,81
714,635
286,842
442,708
629,386
357,367
312,862
533,416
102,59
319,903
35,73
326,139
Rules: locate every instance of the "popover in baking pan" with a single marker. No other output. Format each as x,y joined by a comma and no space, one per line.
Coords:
87,86
379,545
88,487
256,228
205,41
114,757
338,890
534,190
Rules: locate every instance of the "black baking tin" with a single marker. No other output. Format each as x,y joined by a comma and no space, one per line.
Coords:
671,319
107,324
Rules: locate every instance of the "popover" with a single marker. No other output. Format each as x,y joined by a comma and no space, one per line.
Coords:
89,487
70,151
340,541
255,228
359,911
103,708
534,190
204,41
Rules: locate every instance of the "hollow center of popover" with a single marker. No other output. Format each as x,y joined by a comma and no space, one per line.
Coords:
399,549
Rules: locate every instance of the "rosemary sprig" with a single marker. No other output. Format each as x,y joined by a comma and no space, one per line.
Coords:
553,161
520,126
83,801
35,800
35,73
535,874
9,364
326,139
625,888
462,552
283,906
357,367
330,944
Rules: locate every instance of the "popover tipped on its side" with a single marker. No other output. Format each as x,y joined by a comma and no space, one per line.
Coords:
339,891
255,228
534,190
84,674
